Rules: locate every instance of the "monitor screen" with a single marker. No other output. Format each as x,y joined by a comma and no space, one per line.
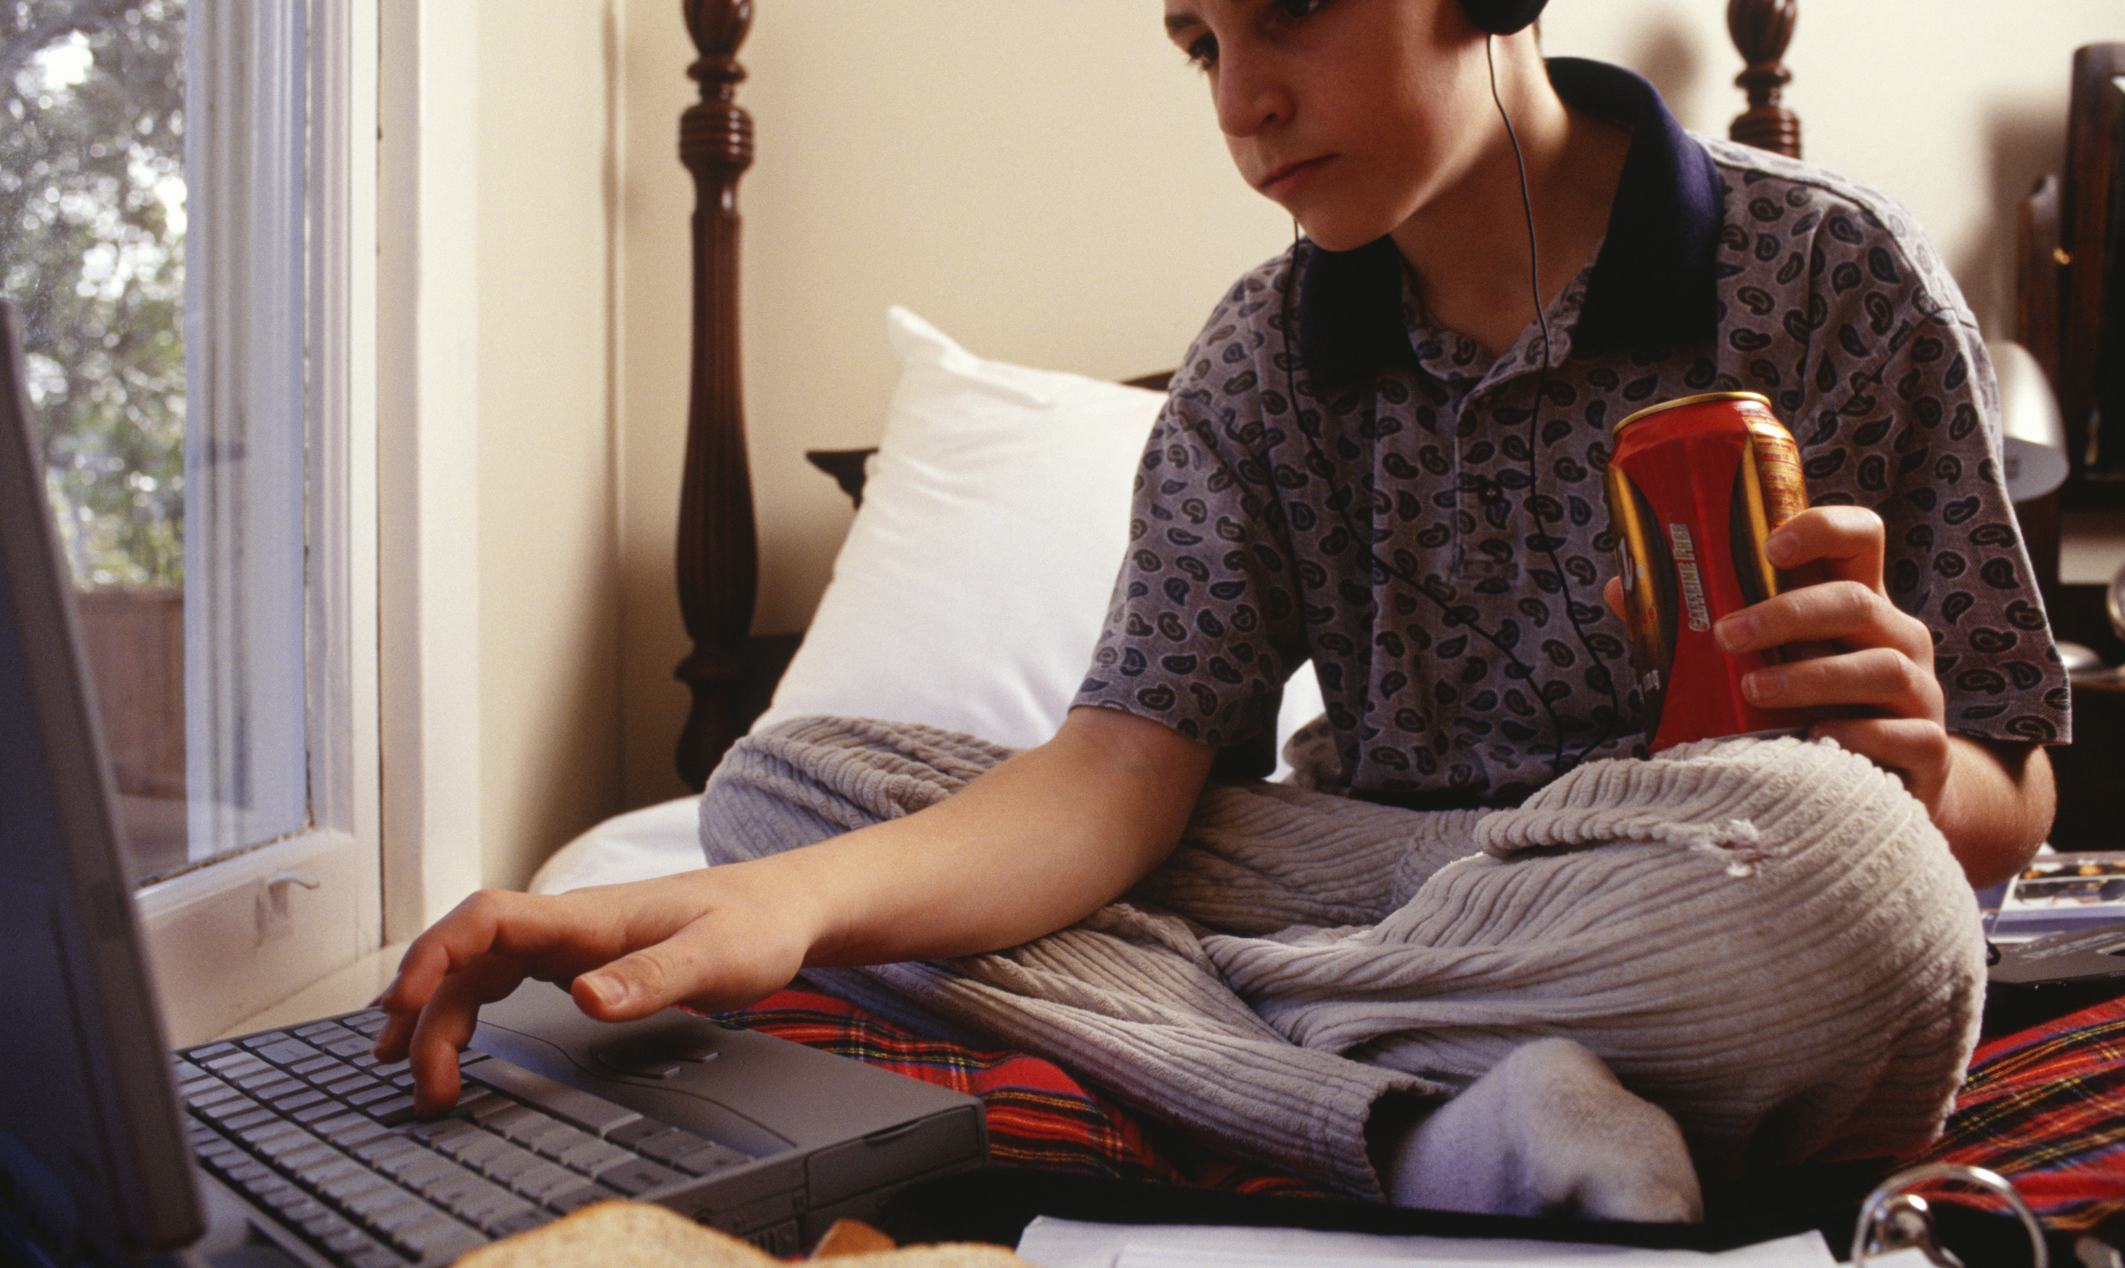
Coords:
93,1167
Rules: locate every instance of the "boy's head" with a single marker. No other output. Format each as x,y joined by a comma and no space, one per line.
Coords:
1354,115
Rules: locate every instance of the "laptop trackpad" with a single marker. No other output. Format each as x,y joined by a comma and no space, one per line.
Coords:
654,1056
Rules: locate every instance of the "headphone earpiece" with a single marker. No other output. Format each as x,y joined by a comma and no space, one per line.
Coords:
1503,17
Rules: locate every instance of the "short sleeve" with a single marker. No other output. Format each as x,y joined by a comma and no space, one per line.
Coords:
1205,623
1902,419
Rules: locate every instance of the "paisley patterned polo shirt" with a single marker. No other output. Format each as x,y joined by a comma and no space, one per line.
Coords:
1334,478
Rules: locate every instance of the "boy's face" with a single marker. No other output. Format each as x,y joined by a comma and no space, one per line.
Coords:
1353,115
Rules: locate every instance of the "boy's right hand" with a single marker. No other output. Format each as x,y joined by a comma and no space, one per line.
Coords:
1041,840
707,938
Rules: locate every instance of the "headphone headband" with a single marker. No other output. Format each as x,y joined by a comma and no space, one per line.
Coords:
1503,17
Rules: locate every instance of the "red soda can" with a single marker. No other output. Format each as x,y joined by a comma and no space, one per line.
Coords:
1695,486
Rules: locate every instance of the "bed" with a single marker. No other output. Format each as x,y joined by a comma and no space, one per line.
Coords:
971,452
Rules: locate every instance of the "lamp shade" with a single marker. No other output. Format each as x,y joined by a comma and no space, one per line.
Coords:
2033,438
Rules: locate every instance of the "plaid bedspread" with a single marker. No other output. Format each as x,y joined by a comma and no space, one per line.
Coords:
2044,1107
1039,1117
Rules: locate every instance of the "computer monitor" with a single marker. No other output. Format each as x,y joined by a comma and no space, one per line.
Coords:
93,1169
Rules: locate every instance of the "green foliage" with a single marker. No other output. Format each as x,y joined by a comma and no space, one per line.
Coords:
91,254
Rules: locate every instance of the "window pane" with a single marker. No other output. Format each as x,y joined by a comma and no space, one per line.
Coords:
168,384
246,763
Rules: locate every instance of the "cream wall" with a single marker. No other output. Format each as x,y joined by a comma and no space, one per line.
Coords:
547,580
1042,181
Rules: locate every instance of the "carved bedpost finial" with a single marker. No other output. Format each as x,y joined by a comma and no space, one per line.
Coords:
1761,29
717,133
718,26
717,554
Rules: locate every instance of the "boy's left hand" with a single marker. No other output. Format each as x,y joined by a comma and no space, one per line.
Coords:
1853,651
1865,658
1865,668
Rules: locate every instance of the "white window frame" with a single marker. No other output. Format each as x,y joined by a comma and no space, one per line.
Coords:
428,320
258,453
314,922
233,937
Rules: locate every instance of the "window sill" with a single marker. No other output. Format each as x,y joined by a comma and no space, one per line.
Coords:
351,988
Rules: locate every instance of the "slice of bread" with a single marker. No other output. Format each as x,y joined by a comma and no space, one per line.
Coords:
619,1235
851,1237
644,1235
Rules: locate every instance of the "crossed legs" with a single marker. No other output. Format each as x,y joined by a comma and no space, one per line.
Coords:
1765,939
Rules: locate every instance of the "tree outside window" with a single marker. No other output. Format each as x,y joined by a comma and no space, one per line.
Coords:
92,219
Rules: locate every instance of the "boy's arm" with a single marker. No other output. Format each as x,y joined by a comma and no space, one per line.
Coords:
1992,800
1998,803
1036,843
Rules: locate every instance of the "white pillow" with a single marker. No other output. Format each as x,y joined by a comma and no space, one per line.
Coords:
976,576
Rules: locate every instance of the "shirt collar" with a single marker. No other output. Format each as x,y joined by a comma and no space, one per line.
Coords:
1652,283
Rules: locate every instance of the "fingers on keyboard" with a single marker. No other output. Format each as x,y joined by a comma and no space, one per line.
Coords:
313,1127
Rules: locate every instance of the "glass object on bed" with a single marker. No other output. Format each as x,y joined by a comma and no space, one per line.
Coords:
1894,1218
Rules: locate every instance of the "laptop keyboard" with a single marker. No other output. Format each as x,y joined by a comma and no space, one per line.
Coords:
315,1129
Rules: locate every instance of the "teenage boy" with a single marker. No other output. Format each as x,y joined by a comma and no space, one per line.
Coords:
1383,455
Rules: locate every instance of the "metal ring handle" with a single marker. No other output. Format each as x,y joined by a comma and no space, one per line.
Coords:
1897,1186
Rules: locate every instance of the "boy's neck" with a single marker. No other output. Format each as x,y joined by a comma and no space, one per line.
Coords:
1470,254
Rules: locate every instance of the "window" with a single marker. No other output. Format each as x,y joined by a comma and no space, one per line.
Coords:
91,232
187,202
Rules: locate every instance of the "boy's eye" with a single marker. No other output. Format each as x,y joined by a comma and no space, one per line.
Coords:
1274,14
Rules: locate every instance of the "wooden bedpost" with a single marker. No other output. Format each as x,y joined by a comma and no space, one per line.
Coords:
717,550
1761,30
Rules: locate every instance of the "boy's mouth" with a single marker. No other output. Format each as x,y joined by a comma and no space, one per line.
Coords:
1288,178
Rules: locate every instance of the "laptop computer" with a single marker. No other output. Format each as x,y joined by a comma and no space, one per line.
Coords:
296,1146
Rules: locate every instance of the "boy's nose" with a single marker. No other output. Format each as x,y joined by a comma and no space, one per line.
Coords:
1249,97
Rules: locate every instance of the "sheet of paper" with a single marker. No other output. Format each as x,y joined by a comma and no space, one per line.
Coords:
1053,1243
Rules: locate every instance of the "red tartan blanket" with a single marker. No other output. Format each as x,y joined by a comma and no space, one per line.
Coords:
1039,1116
2044,1108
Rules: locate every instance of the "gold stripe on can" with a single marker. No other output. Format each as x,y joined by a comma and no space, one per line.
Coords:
1699,399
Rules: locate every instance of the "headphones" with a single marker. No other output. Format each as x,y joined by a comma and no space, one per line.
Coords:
1503,17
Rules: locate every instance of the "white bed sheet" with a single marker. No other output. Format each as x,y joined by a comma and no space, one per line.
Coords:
653,841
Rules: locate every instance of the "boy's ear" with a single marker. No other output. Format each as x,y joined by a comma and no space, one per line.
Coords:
1503,17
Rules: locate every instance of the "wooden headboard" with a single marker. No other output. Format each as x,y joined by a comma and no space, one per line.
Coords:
730,671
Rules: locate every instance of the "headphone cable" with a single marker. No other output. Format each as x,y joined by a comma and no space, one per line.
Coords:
1534,429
